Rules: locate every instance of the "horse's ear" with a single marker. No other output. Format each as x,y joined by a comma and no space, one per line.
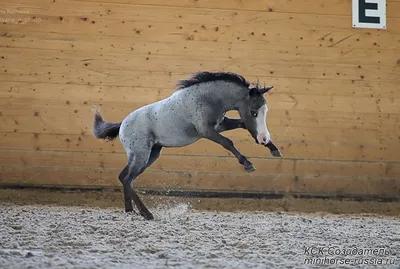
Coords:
265,89
253,91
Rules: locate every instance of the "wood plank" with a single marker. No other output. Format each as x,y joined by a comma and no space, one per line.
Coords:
146,13
202,164
195,181
126,47
330,143
327,150
180,32
56,63
330,137
89,95
151,80
75,93
296,148
335,7
110,78
43,116
281,112
81,94
96,76
169,163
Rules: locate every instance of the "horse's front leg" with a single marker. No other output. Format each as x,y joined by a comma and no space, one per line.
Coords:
228,124
231,124
228,145
273,149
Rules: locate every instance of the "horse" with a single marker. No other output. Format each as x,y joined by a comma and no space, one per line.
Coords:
196,110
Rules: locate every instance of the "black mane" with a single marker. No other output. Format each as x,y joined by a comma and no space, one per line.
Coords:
201,77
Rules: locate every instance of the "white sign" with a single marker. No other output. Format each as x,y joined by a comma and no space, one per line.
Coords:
369,14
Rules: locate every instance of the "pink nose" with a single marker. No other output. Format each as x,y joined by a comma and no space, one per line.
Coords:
262,138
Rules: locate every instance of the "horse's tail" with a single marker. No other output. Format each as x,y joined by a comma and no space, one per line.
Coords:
104,130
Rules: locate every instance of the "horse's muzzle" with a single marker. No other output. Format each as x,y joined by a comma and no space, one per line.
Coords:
263,138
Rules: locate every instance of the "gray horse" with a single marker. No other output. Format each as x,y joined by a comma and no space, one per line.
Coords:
195,110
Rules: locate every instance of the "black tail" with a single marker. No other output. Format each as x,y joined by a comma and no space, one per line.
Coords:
104,130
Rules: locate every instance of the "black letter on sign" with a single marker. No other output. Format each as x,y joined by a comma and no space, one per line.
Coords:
362,7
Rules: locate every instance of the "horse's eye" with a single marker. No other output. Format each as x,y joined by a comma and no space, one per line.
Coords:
254,113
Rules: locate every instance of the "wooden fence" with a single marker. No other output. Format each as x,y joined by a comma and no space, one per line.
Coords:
334,111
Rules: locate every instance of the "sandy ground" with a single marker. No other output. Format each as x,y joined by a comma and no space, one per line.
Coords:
49,236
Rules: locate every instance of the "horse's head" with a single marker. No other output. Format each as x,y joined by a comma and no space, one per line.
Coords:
253,112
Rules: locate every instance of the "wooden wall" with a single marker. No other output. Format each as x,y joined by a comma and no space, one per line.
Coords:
334,109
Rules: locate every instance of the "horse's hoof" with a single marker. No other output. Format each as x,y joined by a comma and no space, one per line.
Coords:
249,167
148,216
276,153
129,210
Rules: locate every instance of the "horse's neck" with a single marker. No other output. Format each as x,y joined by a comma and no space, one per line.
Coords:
229,96
226,95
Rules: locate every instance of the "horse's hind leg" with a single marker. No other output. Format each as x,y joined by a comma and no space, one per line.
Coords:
142,208
155,153
127,195
130,194
139,160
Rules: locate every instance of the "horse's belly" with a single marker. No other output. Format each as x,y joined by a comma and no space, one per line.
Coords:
177,140
175,133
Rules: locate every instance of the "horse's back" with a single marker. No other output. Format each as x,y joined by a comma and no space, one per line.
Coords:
166,122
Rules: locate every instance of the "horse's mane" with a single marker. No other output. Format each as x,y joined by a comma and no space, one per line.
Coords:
201,77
